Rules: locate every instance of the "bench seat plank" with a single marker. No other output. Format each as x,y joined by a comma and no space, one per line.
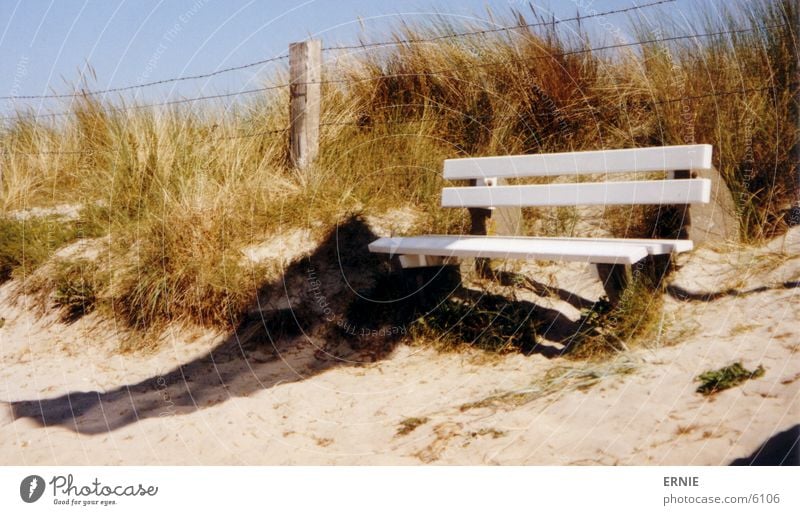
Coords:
587,250
654,246
672,191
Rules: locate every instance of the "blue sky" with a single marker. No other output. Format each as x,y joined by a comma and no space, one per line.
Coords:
46,45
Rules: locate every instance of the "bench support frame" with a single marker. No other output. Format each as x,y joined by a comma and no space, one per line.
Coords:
615,279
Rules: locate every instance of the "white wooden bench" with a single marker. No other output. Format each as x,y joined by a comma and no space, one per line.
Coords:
612,255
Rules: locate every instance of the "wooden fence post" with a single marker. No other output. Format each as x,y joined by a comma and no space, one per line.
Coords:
305,73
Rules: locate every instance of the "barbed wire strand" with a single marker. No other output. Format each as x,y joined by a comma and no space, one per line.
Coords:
157,104
401,75
332,48
146,84
546,56
520,115
373,123
490,31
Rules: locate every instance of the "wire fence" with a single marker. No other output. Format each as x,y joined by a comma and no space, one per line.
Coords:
380,77
283,57
157,104
388,122
684,98
384,76
145,84
483,32
445,71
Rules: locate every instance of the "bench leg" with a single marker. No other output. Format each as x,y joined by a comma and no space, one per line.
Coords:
428,286
478,226
659,267
615,279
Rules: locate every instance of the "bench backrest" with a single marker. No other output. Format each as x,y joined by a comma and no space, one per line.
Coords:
486,170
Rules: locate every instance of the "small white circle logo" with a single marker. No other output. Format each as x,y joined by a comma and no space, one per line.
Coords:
31,488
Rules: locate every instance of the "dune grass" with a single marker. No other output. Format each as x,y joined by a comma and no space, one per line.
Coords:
182,190
26,243
75,291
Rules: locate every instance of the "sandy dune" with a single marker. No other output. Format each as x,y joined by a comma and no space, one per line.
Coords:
68,396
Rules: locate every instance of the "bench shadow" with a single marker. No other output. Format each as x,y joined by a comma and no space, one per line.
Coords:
339,306
437,296
685,295
551,324
780,449
514,279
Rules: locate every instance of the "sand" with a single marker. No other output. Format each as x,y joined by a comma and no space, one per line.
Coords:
69,397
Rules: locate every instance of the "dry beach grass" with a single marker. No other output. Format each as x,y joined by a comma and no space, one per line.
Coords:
173,292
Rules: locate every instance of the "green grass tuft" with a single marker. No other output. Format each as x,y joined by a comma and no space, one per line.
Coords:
715,381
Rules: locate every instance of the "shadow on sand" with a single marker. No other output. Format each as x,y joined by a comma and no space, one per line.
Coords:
340,306
781,449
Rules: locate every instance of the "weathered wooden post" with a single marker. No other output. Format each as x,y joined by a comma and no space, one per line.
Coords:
305,74
499,221
714,222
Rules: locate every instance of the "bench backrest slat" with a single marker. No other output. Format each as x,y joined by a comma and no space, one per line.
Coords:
668,191
652,159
